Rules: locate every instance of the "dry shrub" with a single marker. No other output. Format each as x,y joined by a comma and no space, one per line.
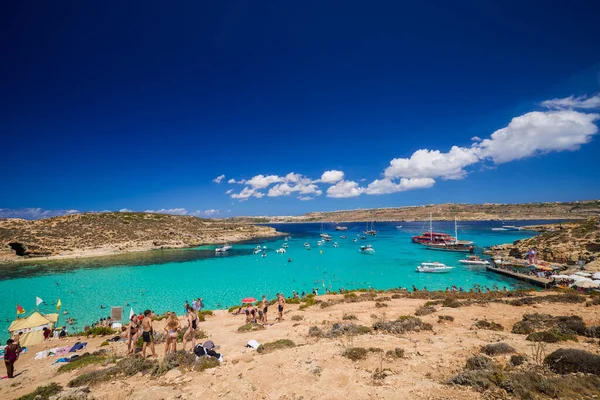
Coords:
451,302
402,325
380,305
250,327
43,392
397,296
425,310
495,349
478,362
565,361
445,318
297,318
348,329
489,325
128,366
348,317
383,298
355,353
272,346
315,331
517,359
396,353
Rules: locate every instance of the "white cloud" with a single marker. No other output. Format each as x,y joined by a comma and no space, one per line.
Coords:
476,139
229,191
537,133
241,181
305,198
246,193
127,210
218,179
581,102
33,213
432,164
211,212
385,186
302,185
332,176
261,181
173,211
344,189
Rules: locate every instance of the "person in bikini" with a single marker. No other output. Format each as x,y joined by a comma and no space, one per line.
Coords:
132,334
172,330
265,308
280,304
190,333
147,333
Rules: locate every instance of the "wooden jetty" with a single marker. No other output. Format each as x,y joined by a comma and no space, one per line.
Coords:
543,282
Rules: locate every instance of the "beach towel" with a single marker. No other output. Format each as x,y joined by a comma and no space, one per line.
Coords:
78,346
61,360
41,355
61,351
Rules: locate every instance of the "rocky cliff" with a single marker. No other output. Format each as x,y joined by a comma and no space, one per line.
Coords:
108,233
565,243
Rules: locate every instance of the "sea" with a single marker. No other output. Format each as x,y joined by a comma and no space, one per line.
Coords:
162,280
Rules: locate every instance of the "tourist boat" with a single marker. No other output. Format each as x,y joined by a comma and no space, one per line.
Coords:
433,267
325,236
223,248
474,260
280,251
368,249
343,237
507,228
306,245
431,236
341,228
371,231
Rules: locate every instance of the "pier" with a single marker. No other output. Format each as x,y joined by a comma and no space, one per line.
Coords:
543,282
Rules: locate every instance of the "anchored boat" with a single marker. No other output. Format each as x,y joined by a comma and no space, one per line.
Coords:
433,267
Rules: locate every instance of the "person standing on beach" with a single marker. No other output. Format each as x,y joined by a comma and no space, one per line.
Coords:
11,355
280,304
265,308
172,329
147,333
132,334
190,333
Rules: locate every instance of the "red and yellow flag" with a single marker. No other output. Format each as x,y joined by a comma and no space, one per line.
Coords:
20,310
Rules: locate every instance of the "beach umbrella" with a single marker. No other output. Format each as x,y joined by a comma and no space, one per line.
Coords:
596,275
586,284
561,277
248,300
578,277
583,273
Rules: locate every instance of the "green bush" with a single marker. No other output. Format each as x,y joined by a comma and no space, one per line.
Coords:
250,327
272,346
566,361
82,361
491,326
517,359
43,392
100,331
495,349
550,336
355,353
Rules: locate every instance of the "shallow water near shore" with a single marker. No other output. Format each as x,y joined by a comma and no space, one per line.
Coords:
163,280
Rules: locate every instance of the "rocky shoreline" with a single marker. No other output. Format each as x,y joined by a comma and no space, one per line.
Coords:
102,234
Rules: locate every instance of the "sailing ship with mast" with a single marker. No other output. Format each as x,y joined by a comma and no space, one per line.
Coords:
371,231
324,235
443,241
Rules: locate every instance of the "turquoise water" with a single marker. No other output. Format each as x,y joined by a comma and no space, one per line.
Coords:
164,280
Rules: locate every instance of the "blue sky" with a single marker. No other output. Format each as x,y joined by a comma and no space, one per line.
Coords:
140,106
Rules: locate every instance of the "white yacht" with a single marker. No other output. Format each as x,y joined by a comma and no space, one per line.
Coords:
474,260
433,267
223,248
368,249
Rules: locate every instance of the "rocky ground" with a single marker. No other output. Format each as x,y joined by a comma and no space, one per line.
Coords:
95,234
565,243
358,346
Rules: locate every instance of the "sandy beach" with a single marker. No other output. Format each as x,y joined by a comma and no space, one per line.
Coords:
315,367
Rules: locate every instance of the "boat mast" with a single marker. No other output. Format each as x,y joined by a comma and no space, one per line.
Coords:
455,230
430,227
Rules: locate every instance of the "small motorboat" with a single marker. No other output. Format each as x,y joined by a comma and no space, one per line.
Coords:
280,251
285,246
354,240
433,267
320,243
289,260
343,237
474,260
257,251
399,227
325,236
335,244
363,238
341,228
264,255
306,245
223,248
368,249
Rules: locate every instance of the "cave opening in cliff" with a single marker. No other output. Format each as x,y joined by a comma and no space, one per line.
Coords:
19,248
